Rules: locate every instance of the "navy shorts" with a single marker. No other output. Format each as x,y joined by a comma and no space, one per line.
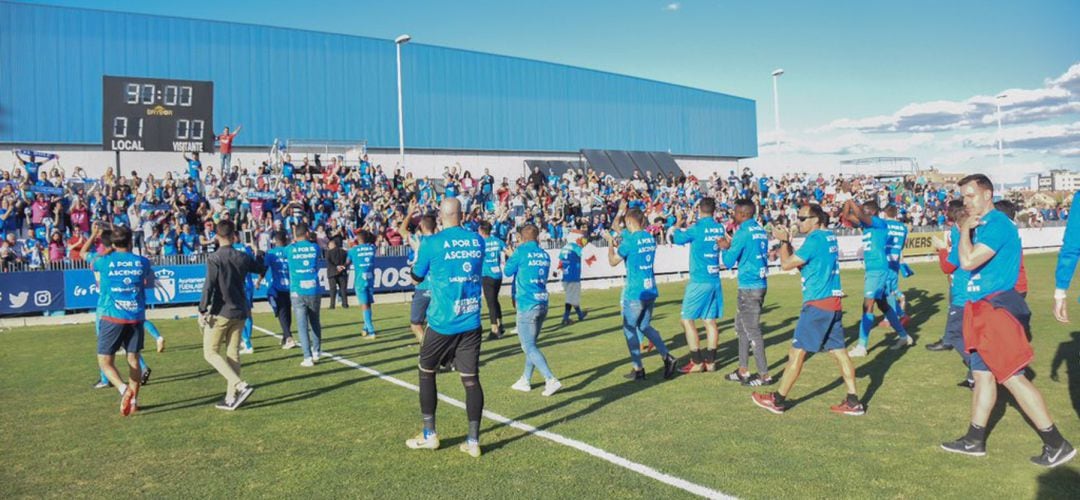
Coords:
113,336
418,309
954,328
819,330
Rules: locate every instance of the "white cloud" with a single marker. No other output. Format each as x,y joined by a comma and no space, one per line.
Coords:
1059,97
1045,138
673,6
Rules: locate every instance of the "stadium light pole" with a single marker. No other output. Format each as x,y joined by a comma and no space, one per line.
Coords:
398,42
997,101
776,106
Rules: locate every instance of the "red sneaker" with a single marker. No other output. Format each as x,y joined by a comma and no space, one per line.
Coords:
126,405
647,346
692,367
767,401
847,408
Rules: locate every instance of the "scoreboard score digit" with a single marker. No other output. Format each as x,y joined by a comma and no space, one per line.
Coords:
154,114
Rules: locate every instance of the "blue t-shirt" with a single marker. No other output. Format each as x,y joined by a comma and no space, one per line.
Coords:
875,236
1070,247
122,279
750,251
187,243
32,169
304,269
638,250
999,273
894,244
168,243
570,259
452,259
277,263
287,170
193,169
529,265
493,249
426,284
249,282
960,277
363,261
704,256
821,271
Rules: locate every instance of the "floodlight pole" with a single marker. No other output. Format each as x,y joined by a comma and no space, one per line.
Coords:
776,105
398,42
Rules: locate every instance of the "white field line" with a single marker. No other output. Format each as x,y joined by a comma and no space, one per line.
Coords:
644,470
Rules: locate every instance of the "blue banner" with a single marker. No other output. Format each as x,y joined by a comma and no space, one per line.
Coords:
49,190
32,291
262,195
37,154
164,207
182,284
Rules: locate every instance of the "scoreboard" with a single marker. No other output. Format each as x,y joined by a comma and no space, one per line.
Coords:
154,114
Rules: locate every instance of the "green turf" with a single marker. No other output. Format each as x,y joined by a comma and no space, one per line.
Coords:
335,431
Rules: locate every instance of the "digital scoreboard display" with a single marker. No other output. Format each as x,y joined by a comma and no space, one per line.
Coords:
154,114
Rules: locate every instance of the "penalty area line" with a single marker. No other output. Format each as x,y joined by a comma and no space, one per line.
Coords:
644,470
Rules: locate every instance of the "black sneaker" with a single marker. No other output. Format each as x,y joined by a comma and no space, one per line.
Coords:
939,346
963,446
565,322
669,366
638,374
494,336
967,384
1053,457
145,377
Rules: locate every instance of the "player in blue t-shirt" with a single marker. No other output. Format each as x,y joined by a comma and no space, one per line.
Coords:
990,249
122,280
530,266
276,262
362,257
452,259
704,297
570,264
492,278
748,250
305,292
876,287
638,249
249,292
820,326
949,261
1067,260
421,291
894,250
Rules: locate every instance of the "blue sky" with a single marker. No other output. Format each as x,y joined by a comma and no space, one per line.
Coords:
845,61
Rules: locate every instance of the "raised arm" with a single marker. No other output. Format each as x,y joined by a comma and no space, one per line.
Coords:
788,259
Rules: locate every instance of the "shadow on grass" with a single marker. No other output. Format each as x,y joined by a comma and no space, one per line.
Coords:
1061,482
1068,354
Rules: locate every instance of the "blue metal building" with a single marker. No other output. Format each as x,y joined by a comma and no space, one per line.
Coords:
282,83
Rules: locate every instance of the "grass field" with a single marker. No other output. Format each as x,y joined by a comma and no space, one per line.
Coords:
335,431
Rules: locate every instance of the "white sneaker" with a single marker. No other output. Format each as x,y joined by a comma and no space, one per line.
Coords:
471,448
307,363
551,386
514,331
160,344
289,344
859,351
248,350
522,385
315,356
420,442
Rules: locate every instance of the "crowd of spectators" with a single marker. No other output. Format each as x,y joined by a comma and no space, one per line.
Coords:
46,211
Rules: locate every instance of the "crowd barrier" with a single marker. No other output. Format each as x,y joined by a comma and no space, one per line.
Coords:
178,284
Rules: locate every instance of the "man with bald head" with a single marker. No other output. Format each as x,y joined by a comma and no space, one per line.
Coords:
452,259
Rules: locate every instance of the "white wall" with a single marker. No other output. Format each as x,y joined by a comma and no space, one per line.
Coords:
422,163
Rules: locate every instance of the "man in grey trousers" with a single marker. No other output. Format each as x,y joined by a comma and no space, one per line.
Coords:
749,249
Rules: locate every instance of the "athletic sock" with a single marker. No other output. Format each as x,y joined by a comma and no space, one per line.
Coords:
474,431
977,433
429,425
142,364
122,389
710,356
695,357
104,379
778,398
864,328
894,321
853,399
1051,437
580,314
368,323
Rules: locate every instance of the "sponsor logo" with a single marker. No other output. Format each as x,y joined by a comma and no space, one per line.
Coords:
42,298
165,290
159,110
18,300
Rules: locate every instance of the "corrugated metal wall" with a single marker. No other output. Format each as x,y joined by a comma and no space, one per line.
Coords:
283,83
